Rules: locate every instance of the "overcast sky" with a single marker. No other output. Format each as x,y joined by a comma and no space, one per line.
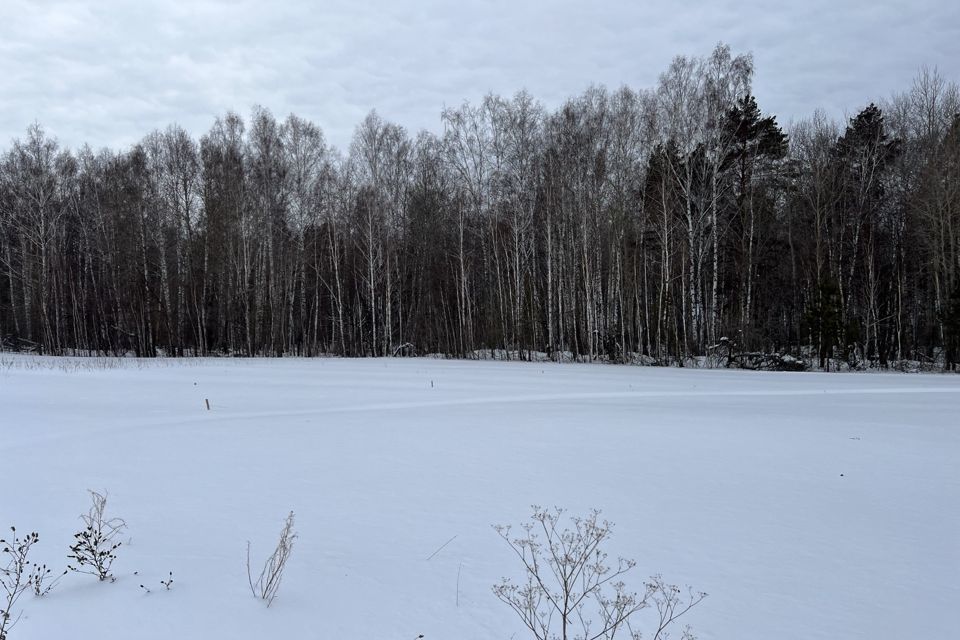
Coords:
107,72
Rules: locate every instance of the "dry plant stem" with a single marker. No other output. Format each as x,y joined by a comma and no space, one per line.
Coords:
570,589
14,577
670,605
40,579
168,582
94,549
267,584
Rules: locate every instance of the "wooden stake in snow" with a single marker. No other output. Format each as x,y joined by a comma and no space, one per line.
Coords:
207,400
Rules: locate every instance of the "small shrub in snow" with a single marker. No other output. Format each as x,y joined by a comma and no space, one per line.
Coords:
571,591
95,546
168,582
14,576
43,580
266,586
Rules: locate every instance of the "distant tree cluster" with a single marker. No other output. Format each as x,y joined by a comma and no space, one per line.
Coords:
653,222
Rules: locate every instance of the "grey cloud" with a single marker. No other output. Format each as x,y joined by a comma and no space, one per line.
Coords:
110,71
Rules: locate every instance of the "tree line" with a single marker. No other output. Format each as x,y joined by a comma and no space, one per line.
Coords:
655,223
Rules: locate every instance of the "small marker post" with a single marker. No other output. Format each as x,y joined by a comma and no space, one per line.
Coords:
207,400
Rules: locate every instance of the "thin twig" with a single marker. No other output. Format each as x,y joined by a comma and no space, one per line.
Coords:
441,547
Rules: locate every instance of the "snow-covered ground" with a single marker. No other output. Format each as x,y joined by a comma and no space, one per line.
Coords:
814,506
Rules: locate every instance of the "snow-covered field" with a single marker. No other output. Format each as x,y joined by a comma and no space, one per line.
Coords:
813,506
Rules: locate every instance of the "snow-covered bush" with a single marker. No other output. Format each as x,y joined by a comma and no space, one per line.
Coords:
569,589
95,546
